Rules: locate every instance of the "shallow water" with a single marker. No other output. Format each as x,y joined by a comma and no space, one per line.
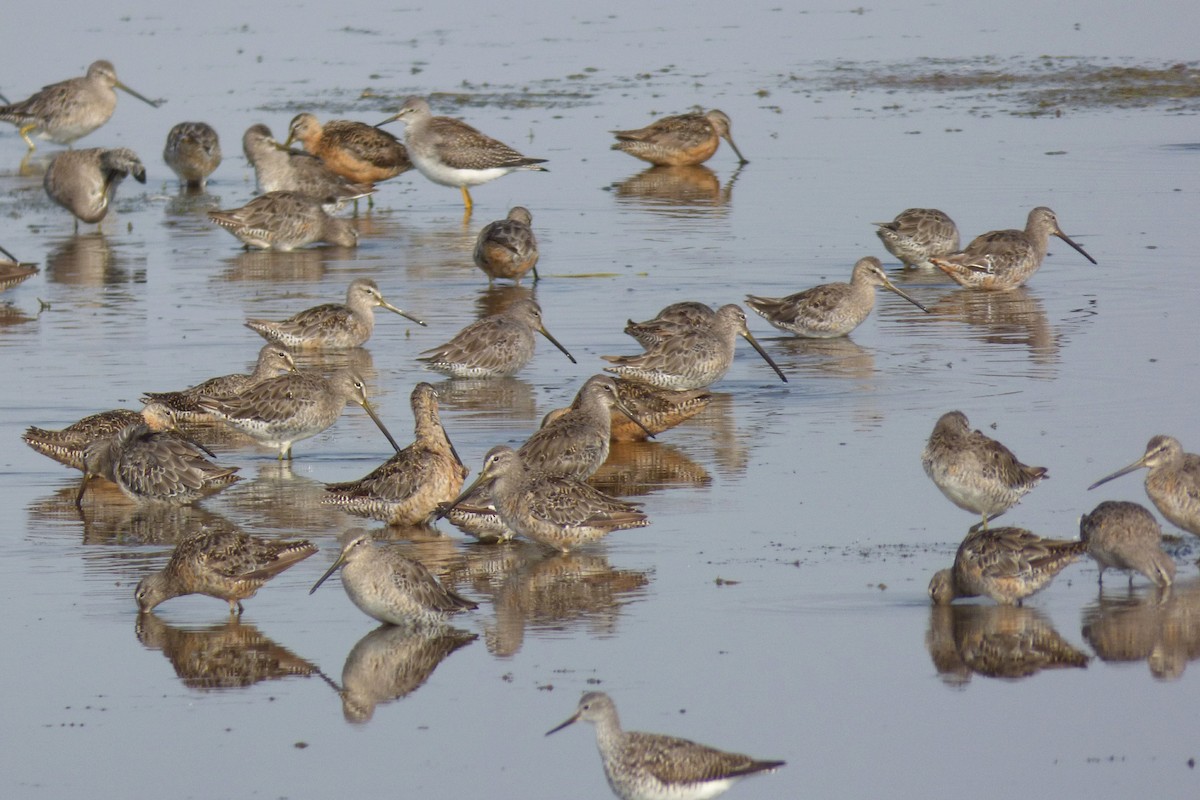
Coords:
777,603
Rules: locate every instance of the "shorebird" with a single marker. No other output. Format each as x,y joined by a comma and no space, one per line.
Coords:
390,587
671,320
559,512
289,408
917,234
279,169
450,152
14,271
1126,536
71,109
1173,482
831,309
359,152
656,410
230,566
651,766
975,472
679,141
193,152
84,181
331,325
1003,260
150,465
67,446
1005,564
409,486
184,405
507,247
284,221
495,346
694,358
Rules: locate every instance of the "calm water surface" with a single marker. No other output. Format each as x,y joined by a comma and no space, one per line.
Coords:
777,603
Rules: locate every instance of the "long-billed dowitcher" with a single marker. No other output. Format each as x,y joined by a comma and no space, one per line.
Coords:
831,309
84,181
474,513
150,465
14,271
556,511
917,234
331,326
408,487
66,446
975,472
193,152
656,410
71,109
450,152
184,405
1126,536
229,566
280,169
391,587
1173,482
651,766
355,150
507,247
683,140
284,221
1005,564
495,346
671,320
575,443
289,408
695,357
1003,260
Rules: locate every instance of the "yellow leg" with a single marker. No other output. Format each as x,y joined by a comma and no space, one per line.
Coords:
24,131
467,198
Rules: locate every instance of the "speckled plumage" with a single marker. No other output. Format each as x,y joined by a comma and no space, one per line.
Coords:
193,152
85,181
657,410
284,221
670,321
331,325
976,472
450,152
279,169
1126,536
184,405
66,446
495,346
651,766
1172,483
230,566
694,358
68,110
1005,564
390,587
14,271
917,234
831,309
359,152
507,247
683,140
408,487
1004,260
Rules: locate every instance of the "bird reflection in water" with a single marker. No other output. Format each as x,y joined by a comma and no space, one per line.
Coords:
126,523
1158,626
89,260
635,469
229,655
678,191
1009,642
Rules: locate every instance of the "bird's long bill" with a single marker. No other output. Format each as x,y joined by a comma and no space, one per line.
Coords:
542,330
624,409
741,158
1123,471
82,488
392,118
754,343
570,721
10,255
332,569
891,287
453,452
1068,240
402,313
453,504
375,417
146,100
